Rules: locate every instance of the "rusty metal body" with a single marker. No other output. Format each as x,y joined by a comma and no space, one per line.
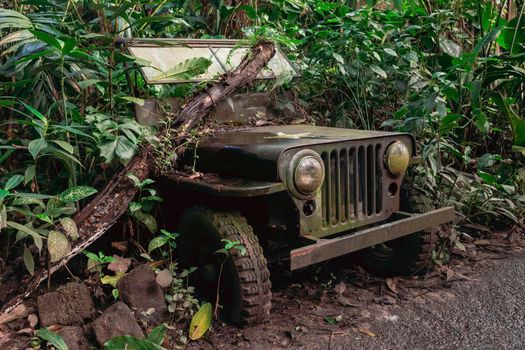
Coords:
405,224
357,205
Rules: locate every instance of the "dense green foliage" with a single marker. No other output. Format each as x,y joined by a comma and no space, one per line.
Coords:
450,72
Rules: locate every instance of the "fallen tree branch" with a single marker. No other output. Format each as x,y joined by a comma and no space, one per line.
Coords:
109,205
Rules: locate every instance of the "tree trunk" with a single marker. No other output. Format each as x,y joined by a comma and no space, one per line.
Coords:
109,205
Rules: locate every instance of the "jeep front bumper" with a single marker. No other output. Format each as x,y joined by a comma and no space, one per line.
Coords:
407,224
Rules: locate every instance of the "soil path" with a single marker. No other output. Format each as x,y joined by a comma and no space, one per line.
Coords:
477,303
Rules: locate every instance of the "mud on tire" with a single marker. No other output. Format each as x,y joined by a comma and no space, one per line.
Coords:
245,287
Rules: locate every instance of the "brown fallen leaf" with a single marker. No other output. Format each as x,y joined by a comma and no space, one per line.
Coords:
448,272
121,246
21,311
26,331
340,288
195,175
54,327
33,320
367,332
120,265
482,242
391,283
345,301
263,122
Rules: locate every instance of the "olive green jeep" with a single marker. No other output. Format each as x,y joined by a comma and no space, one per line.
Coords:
300,194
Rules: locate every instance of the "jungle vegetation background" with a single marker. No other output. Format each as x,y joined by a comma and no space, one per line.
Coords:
450,72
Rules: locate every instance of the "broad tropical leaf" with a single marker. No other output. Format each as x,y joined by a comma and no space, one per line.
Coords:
201,321
129,342
58,246
70,228
187,69
52,338
76,193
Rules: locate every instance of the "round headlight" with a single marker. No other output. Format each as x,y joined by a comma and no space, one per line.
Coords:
308,175
397,158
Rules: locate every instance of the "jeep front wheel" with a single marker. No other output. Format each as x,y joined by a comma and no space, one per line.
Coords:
243,281
406,255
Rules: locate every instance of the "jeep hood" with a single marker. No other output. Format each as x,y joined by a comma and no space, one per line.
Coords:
254,152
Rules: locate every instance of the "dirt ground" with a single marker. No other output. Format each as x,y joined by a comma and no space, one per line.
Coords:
334,306
337,305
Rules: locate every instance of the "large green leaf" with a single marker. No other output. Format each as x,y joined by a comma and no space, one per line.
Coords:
125,149
156,243
107,149
29,174
201,321
147,219
514,32
12,19
70,228
3,216
379,71
66,146
129,342
48,39
517,123
449,47
58,246
29,261
187,69
74,194
157,334
27,230
35,146
52,338
13,182
487,39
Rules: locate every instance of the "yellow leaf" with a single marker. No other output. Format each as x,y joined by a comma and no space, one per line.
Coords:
112,280
201,322
57,245
367,332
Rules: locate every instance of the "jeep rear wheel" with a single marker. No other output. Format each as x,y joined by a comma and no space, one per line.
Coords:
406,255
243,281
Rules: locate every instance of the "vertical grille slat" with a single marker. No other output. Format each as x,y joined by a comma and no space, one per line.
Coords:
361,168
355,185
343,185
352,189
334,191
371,176
379,183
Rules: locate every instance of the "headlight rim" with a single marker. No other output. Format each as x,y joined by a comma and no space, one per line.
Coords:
292,168
388,154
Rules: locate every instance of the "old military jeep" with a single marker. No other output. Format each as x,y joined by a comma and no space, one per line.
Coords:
296,193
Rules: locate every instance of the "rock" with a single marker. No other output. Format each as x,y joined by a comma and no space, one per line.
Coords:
69,305
117,320
73,337
143,295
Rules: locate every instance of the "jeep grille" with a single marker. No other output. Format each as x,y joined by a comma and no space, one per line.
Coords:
353,187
